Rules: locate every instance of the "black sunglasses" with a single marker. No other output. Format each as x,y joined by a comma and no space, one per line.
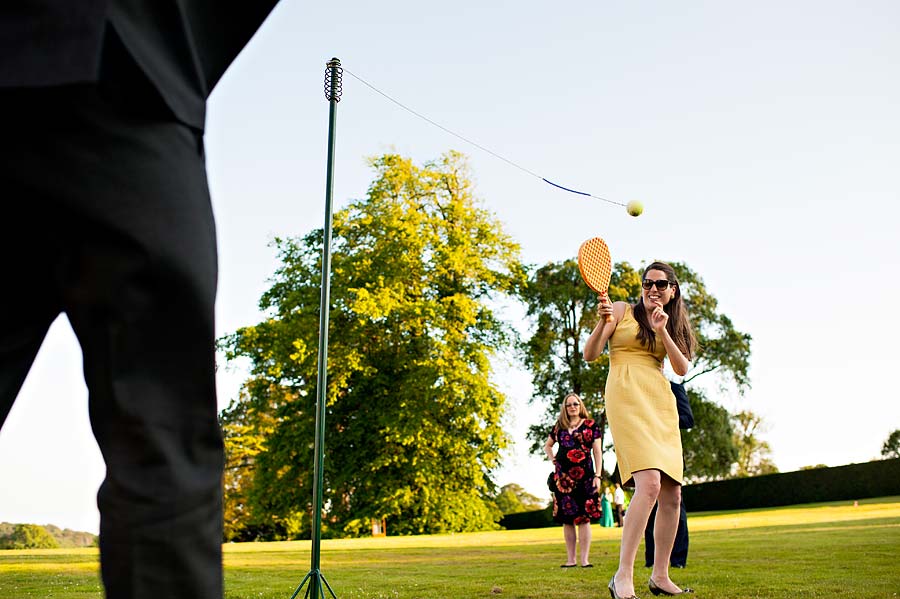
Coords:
661,284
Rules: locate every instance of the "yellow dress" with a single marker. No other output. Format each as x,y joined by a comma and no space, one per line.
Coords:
640,406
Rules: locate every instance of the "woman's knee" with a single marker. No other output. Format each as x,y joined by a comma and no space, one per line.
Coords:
648,486
670,497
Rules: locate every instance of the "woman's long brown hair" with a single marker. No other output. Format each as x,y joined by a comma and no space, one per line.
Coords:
679,325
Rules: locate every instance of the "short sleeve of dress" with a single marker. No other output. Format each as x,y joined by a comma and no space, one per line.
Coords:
553,434
595,429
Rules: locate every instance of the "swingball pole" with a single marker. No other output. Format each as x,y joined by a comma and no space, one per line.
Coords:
315,578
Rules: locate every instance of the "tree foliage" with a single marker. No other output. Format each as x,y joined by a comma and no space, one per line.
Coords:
891,447
412,416
721,349
513,499
563,312
753,453
709,448
62,537
28,536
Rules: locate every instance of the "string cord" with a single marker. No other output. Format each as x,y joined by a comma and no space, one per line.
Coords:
472,143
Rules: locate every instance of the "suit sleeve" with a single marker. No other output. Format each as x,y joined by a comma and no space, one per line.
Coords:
685,415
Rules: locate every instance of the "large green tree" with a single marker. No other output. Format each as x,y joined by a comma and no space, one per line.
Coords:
413,417
563,312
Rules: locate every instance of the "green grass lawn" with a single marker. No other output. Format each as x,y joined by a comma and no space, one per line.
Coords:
829,550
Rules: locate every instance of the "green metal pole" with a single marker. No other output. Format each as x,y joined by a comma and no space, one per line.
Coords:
315,577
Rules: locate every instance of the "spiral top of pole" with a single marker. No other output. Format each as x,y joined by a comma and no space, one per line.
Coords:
333,73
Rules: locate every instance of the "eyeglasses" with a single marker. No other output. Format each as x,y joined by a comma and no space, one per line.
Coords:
661,284
573,405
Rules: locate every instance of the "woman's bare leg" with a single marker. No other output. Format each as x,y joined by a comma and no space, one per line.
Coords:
646,490
664,533
584,539
569,535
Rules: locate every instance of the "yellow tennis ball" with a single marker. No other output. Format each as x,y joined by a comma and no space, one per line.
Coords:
634,208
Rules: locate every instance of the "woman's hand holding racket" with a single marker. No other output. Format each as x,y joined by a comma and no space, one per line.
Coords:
605,308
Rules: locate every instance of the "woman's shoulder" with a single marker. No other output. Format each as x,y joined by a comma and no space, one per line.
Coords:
622,310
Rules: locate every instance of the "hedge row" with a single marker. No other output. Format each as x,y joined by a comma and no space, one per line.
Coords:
856,481
533,519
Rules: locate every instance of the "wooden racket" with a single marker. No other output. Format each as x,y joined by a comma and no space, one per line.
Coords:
595,265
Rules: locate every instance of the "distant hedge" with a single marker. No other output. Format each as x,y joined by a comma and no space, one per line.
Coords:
855,481
533,519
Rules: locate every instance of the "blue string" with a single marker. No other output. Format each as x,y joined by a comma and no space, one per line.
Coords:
581,193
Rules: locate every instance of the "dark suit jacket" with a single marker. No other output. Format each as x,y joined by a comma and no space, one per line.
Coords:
182,46
685,414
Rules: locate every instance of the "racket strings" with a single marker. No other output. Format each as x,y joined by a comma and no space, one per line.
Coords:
595,264
472,143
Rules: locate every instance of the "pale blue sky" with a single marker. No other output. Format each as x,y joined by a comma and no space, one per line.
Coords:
763,139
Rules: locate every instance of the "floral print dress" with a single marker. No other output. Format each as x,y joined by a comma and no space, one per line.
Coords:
574,498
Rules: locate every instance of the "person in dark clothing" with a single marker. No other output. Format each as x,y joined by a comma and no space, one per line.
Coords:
108,220
679,555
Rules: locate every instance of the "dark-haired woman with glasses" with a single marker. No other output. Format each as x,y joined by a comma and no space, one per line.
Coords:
575,481
642,415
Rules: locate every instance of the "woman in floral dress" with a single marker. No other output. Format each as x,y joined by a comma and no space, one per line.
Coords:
575,482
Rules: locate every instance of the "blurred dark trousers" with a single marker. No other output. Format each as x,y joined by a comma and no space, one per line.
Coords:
679,549
107,218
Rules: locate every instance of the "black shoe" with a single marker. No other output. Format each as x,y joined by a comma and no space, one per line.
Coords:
588,566
568,565
658,591
612,590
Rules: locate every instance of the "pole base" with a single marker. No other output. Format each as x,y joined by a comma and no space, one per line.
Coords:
317,586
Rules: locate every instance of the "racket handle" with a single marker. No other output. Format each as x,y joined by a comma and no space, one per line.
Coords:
608,317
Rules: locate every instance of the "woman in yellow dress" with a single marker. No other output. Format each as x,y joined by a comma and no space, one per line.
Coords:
642,416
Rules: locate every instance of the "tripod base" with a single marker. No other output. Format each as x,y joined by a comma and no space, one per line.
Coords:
317,586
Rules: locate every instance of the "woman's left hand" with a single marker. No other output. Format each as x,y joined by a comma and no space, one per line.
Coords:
658,319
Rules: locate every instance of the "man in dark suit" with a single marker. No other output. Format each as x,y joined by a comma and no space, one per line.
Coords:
106,218
678,558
